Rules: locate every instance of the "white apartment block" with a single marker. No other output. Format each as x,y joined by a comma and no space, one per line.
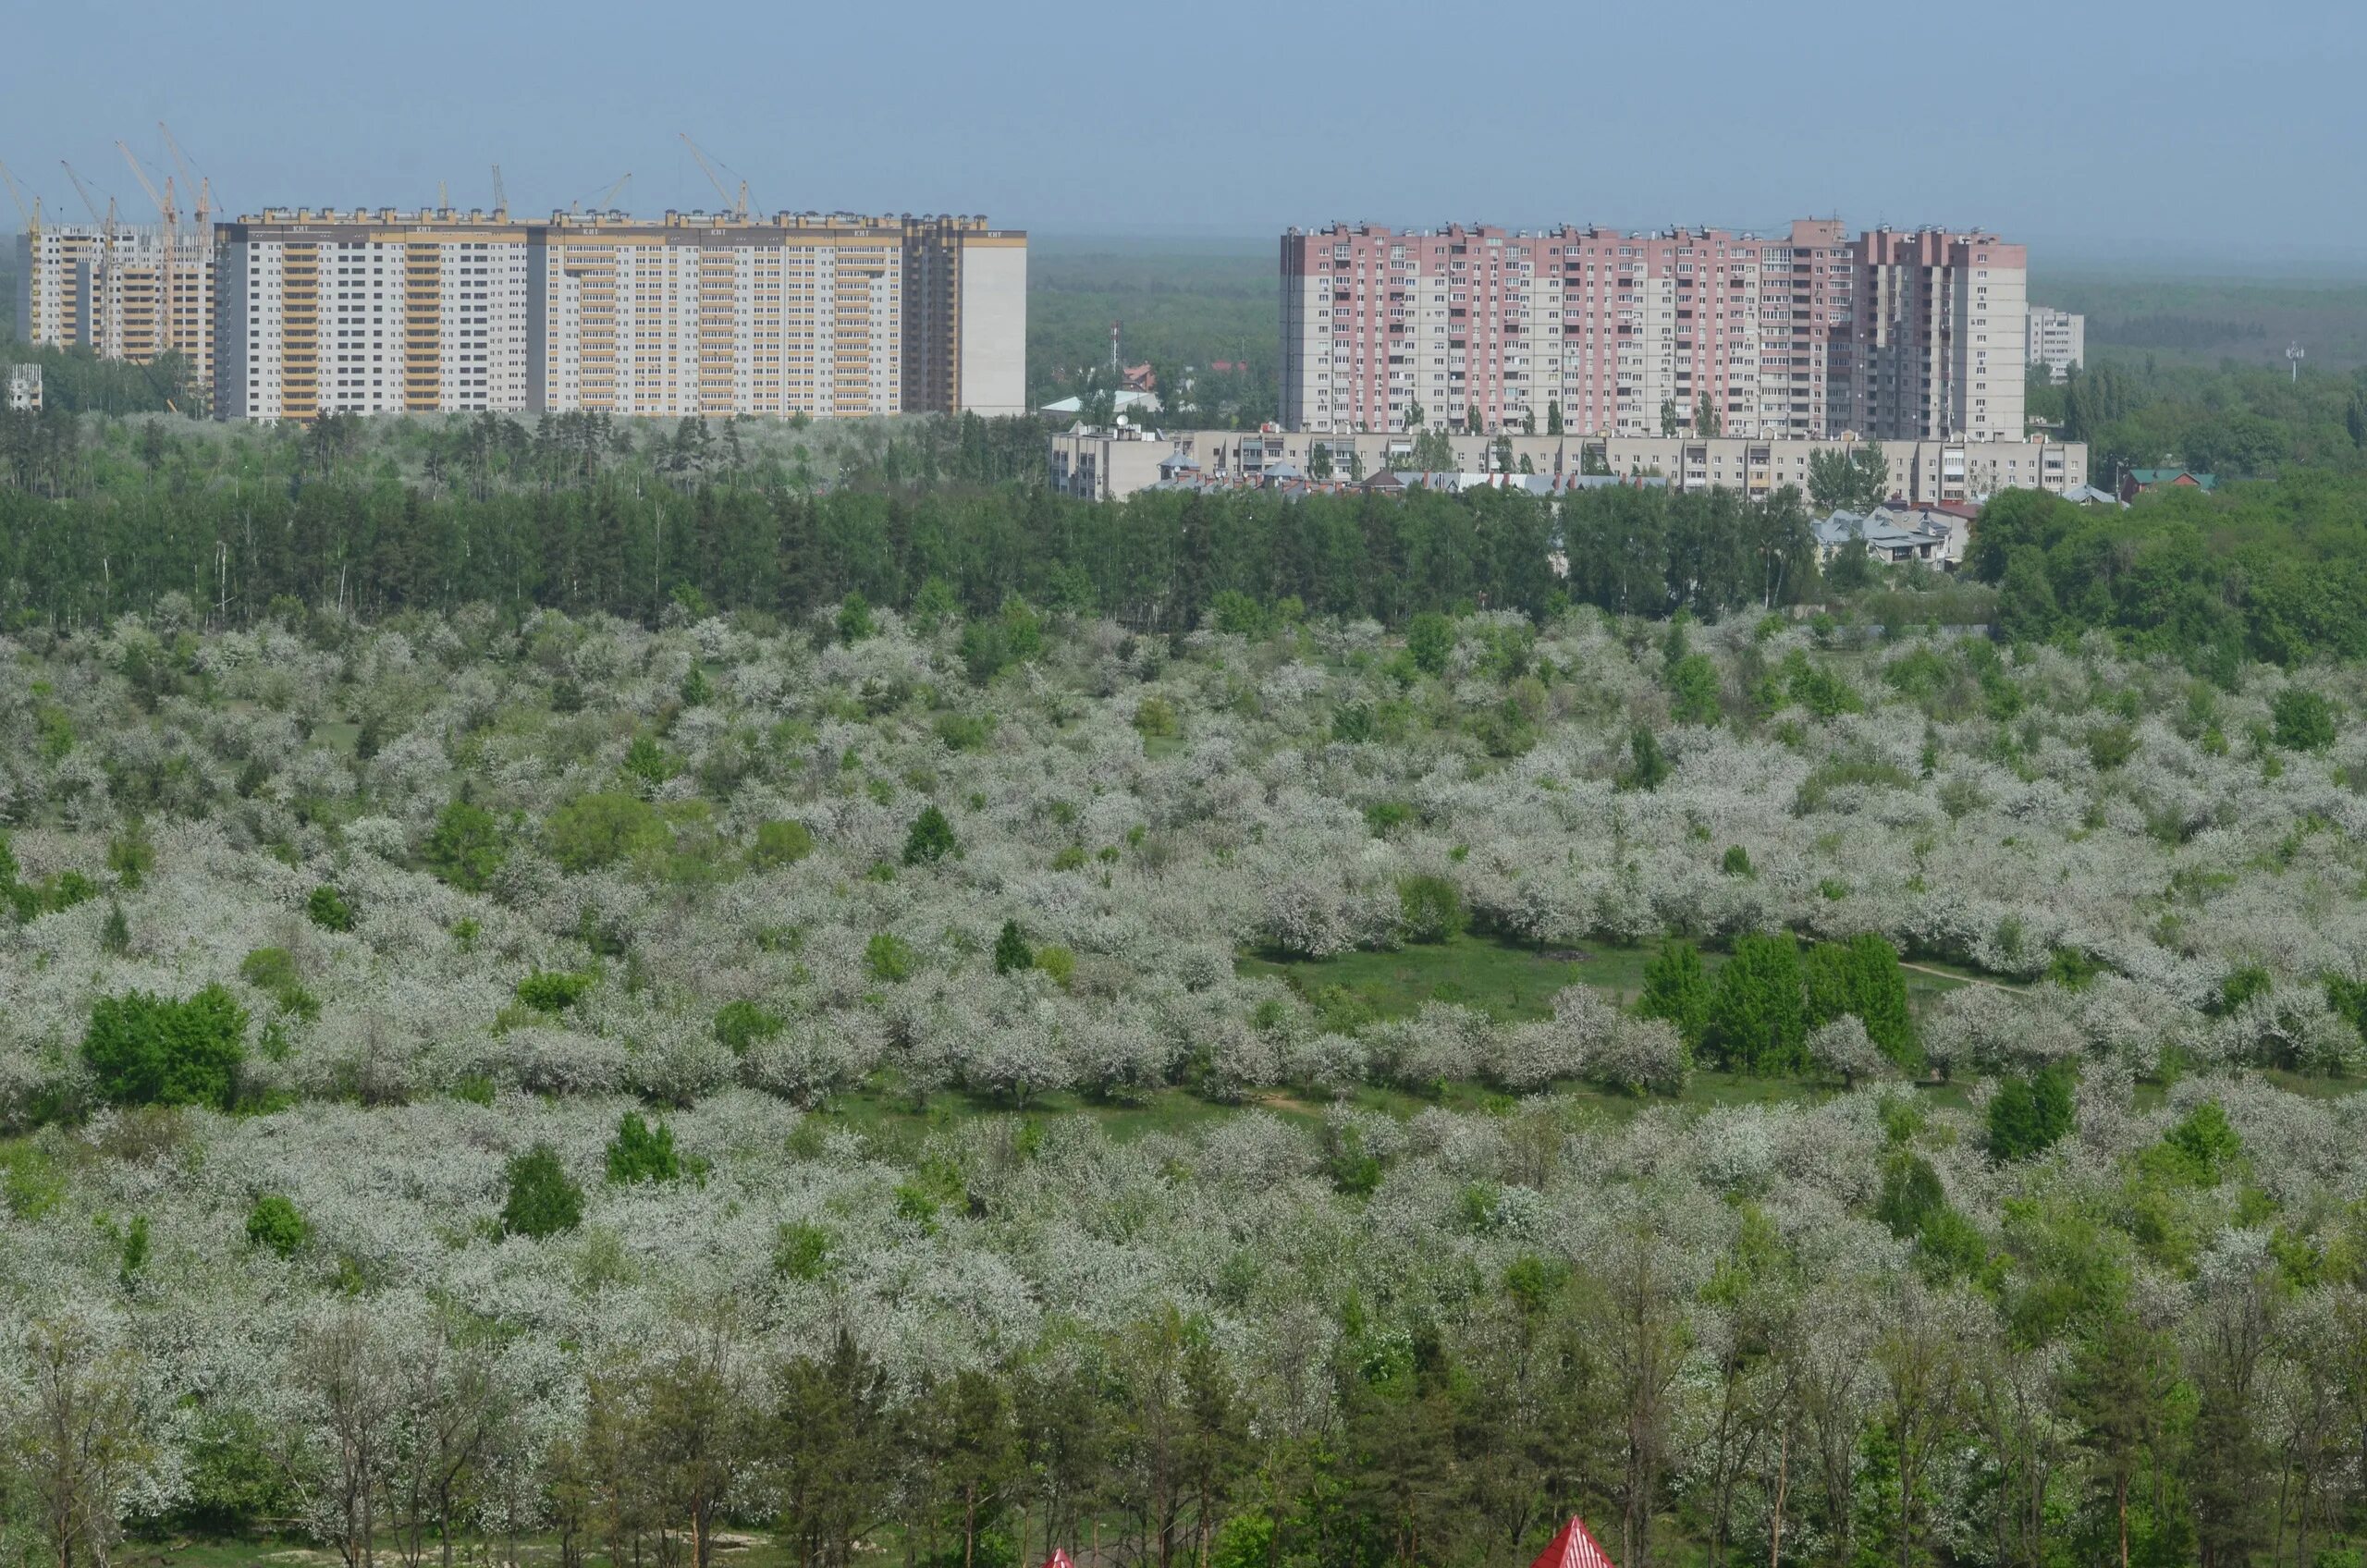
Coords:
2058,341
20,388
370,313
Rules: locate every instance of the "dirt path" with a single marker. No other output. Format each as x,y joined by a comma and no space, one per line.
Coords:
1962,979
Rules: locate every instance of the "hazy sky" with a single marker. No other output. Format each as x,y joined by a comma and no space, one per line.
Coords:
2221,131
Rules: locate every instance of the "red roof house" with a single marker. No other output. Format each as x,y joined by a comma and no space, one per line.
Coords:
1573,1547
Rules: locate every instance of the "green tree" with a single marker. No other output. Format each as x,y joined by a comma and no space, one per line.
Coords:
600,830
1553,418
1693,690
1676,987
930,838
144,1050
465,848
1430,640
1862,977
1668,417
1012,951
1431,908
1757,1020
1856,479
855,618
2028,1116
1646,766
781,842
541,1200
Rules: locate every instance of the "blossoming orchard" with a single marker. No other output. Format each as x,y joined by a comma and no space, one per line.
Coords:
487,1084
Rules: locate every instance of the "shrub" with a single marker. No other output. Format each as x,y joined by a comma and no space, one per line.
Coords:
780,843
963,732
2305,720
740,1024
1736,862
1646,768
930,838
854,619
145,1049
599,830
1012,951
1693,690
129,855
889,958
541,1200
801,1251
274,1222
1154,718
1057,962
1432,907
649,764
553,990
466,848
642,1152
328,909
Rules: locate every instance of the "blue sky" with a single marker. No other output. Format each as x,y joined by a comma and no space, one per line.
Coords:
2095,131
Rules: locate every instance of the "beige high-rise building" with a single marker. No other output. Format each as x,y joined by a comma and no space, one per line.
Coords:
706,314
2058,341
147,294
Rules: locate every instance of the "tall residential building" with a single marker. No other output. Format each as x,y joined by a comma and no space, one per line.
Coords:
1627,333
798,313
369,314
2058,341
148,293
692,314
1941,328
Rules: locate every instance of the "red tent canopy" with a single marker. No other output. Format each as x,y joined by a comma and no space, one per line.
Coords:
1060,1559
1573,1547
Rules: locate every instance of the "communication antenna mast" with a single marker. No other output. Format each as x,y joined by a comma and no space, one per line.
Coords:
2293,356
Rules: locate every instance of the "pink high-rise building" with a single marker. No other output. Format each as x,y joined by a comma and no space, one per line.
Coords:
1629,334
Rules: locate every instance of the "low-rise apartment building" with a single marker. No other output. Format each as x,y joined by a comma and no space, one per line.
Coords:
1111,464
2058,341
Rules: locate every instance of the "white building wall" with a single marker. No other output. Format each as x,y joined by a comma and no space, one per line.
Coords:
994,329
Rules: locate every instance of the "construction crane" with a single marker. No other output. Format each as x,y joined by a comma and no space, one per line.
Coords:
608,198
738,209
106,265
167,303
500,196
190,180
31,215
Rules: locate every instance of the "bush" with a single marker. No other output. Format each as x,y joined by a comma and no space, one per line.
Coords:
1154,719
740,1024
642,1152
2305,720
1012,951
780,843
144,1050
328,909
801,1251
1430,640
466,848
1736,862
599,829
1057,962
930,838
1432,908
889,958
542,1201
274,1222
553,990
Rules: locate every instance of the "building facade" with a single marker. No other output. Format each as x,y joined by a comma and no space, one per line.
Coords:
1704,331
126,292
692,314
20,388
1111,464
2058,341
